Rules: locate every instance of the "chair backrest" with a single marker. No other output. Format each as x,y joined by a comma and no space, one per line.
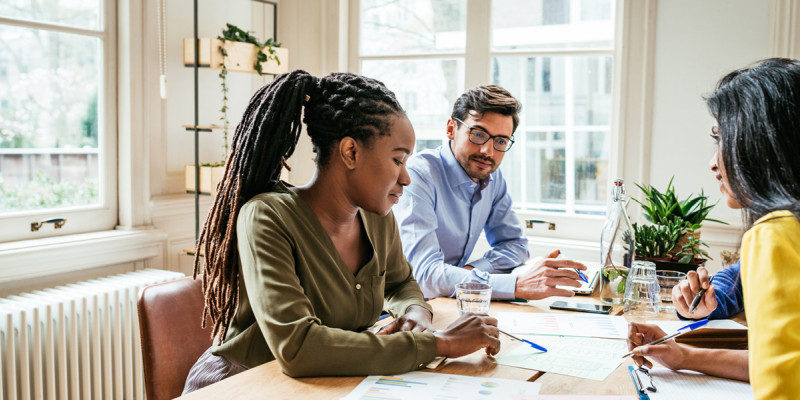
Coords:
172,339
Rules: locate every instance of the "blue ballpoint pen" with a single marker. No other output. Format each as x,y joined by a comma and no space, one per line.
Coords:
534,345
680,331
580,274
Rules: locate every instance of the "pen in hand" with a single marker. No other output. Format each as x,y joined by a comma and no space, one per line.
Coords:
680,331
534,345
699,296
580,274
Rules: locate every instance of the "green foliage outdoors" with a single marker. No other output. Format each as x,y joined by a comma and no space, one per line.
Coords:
44,192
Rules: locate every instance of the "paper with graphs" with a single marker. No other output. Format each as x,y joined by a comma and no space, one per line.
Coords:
584,357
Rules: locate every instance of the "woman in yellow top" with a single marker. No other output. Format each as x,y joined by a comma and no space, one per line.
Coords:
299,274
757,164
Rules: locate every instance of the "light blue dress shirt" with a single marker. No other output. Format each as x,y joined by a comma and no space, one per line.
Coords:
441,215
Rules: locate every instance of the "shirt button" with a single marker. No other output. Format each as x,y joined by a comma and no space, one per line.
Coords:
358,286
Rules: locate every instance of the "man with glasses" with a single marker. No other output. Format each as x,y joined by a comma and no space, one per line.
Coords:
456,192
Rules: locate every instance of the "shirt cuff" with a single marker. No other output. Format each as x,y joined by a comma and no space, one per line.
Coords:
503,286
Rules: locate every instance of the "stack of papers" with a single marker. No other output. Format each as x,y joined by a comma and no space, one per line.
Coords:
602,326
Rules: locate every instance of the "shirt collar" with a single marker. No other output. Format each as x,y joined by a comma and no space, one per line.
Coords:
455,173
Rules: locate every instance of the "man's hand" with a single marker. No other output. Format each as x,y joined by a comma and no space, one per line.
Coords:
416,319
541,279
684,292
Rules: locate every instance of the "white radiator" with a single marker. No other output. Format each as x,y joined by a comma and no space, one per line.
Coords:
78,341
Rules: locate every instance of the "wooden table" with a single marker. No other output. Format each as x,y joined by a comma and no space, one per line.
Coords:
269,380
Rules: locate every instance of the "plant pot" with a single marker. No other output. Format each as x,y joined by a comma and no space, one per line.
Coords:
209,178
670,265
683,240
241,56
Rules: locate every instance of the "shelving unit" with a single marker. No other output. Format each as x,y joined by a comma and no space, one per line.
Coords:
205,53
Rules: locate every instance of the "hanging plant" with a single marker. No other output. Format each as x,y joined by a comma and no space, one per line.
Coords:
265,53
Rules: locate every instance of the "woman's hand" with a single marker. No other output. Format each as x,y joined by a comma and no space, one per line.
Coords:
684,292
416,319
467,334
669,354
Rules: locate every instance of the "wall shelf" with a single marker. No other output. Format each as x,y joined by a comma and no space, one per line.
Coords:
241,56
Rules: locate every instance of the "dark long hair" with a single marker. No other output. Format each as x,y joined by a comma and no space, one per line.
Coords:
336,106
758,112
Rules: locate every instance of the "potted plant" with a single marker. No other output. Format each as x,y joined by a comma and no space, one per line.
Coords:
234,50
672,240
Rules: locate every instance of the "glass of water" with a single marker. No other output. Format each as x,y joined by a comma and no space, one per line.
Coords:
472,297
666,281
642,296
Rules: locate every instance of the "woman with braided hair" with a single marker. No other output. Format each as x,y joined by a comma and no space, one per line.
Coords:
297,274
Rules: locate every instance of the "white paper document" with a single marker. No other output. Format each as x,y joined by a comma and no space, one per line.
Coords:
584,357
434,386
694,385
602,326
672,326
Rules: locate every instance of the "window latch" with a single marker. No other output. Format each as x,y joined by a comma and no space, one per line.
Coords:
551,226
57,223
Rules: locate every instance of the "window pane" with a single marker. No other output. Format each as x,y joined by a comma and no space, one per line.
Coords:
536,24
412,26
425,88
543,80
592,77
591,167
80,13
545,158
49,127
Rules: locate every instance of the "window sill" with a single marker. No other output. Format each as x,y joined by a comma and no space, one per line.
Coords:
41,257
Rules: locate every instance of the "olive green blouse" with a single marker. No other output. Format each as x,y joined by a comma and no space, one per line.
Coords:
300,304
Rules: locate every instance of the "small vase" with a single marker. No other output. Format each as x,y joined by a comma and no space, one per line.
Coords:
612,284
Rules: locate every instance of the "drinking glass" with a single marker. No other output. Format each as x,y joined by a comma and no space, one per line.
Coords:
666,281
472,297
642,297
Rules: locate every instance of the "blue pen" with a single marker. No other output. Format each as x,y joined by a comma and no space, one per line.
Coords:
580,274
534,345
680,331
637,384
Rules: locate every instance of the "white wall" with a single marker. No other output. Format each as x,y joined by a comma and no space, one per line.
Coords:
698,42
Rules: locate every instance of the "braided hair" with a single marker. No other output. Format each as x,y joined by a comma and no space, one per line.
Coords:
336,106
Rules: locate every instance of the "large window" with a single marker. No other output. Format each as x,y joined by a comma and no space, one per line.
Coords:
555,56
56,150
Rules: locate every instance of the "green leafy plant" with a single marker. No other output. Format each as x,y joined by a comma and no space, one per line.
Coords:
662,208
674,220
657,240
235,34
614,273
691,250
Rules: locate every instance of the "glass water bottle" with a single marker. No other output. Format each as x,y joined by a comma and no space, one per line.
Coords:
617,248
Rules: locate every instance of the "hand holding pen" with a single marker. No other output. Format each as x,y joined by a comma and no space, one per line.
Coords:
540,278
647,340
695,296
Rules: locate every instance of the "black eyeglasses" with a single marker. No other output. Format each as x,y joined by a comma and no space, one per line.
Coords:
480,136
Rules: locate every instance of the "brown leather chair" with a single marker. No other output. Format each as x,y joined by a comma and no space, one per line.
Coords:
172,339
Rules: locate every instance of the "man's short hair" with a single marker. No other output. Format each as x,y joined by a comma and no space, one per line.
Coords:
488,98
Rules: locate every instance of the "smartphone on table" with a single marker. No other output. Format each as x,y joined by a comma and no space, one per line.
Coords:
581,307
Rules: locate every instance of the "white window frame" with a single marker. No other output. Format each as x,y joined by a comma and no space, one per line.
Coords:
104,216
631,97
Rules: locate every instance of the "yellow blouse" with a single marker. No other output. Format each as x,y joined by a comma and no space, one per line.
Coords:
771,283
